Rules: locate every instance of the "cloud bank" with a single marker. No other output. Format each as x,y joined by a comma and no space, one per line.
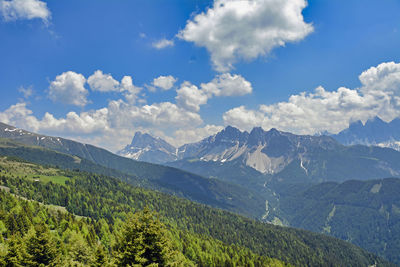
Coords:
321,110
113,126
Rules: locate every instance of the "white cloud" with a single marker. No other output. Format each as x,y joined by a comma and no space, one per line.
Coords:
227,85
111,127
190,135
129,90
164,82
99,81
69,88
246,29
385,76
190,97
308,113
163,43
27,92
243,118
162,115
24,9
16,114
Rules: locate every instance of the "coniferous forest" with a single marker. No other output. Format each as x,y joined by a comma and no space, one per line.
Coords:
62,217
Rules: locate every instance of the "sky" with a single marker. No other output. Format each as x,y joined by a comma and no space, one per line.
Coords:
97,71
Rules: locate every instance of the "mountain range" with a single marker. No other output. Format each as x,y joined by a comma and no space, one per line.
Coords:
298,158
86,157
375,131
292,180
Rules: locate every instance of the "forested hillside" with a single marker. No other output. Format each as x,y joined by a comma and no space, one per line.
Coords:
109,200
366,213
34,234
166,179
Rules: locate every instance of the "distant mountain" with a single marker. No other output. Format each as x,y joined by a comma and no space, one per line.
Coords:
166,179
374,132
267,152
145,147
284,157
366,213
273,157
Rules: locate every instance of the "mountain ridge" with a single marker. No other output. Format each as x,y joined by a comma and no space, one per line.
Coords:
168,179
374,131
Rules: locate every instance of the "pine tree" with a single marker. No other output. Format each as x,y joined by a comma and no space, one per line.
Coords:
100,256
41,247
144,242
13,257
79,250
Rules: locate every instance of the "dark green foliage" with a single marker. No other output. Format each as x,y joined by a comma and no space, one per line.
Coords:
101,197
61,239
40,247
367,213
14,253
143,241
343,163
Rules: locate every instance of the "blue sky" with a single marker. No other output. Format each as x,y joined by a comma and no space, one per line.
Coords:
298,67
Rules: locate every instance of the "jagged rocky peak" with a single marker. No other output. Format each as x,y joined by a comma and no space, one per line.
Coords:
375,131
142,140
230,131
145,147
256,136
355,125
375,120
231,134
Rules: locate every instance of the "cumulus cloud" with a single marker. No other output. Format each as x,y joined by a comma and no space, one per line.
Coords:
190,97
129,90
164,82
185,136
24,9
69,88
111,127
227,85
163,43
385,76
99,81
308,113
73,123
246,29
16,114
